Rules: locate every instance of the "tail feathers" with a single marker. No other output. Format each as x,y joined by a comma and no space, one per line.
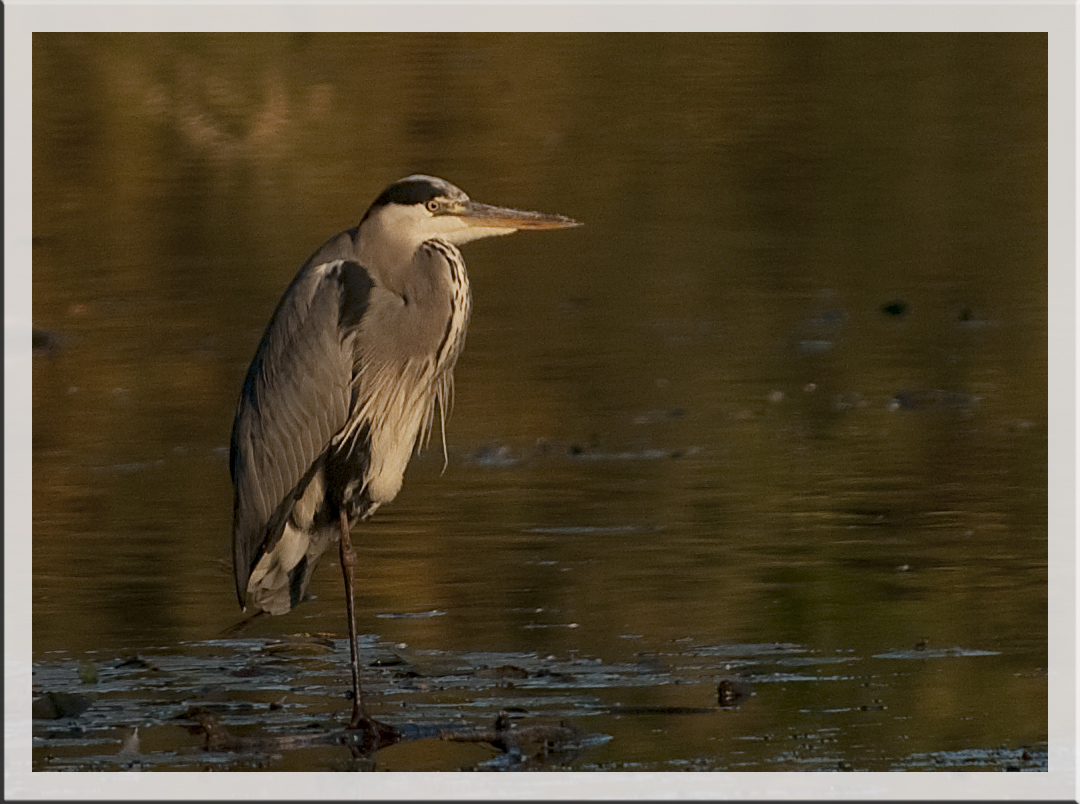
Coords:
280,579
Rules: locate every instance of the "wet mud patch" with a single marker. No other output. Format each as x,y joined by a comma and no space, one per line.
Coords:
978,759
279,704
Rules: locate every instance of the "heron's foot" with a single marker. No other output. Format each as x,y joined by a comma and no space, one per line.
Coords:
375,735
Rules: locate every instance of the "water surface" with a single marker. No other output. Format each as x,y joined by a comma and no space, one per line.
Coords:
776,414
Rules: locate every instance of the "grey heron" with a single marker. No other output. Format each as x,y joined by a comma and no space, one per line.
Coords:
344,385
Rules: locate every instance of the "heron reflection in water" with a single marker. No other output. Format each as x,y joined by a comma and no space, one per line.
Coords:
344,385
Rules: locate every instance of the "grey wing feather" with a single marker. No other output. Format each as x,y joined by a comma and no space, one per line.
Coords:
296,397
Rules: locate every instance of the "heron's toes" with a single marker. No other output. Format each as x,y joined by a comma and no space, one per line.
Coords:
373,734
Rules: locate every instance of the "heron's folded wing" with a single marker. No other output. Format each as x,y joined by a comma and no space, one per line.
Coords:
296,397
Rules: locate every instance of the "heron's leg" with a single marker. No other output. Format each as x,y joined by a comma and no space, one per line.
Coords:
348,561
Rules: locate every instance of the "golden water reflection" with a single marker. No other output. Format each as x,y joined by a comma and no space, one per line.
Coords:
788,384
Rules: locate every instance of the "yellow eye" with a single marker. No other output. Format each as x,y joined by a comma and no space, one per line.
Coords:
433,205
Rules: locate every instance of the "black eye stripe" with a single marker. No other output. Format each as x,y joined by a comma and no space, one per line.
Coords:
408,193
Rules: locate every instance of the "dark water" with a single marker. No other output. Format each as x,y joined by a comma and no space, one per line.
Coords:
776,415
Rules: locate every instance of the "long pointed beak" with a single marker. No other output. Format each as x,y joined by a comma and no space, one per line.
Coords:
489,217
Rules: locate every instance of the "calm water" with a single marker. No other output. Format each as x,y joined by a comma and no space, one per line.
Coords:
775,415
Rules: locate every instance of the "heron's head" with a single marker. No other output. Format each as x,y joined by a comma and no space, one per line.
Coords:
419,208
